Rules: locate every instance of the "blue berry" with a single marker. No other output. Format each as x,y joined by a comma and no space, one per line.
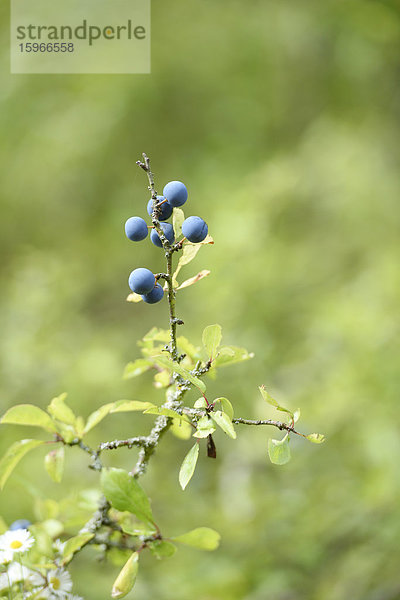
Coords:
154,296
20,524
176,193
165,210
136,229
141,281
168,231
194,229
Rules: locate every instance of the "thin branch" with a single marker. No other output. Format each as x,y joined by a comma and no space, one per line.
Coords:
279,424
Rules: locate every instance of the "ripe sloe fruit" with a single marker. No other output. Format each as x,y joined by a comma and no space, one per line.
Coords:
176,193
165,210
194,229
136,229
154,296
141,281
168,231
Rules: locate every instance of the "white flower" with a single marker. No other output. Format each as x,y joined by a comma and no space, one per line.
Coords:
16,573
58,546
19,540
5,557
59,582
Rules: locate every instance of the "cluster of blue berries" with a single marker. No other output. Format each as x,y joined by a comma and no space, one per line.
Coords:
194,229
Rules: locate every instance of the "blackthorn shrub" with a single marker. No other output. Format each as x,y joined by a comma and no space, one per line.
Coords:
118,521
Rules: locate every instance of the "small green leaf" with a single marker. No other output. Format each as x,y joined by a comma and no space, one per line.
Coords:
125,493
166,412
97,416
173,367
200,403
279,451
188,254
229,355
223,421
13,455
212,336
205,426
296,415
188,466
157,335
126,578
178,216
181,429
54,464
74,544
316,438
130,405
226,406
268,398
139,366
27,414
162,548
60,411
203,538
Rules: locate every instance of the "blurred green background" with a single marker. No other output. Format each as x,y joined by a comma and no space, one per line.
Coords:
283,120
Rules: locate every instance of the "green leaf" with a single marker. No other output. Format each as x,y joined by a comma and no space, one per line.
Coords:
74,544
229,355
54,464
296,415
212,336
178,216
60,411
27,414
188,254
279,451
130,405
162,548
13,455
188,466
174,367
166,412
125,493
97,416
205,426
268,398
162,379
316,438
223,421
226,406
188,348
200,403
181,429
126,578
139,366
157,335
203,538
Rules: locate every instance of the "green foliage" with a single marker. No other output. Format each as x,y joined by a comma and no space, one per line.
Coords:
224,422
203,538
54,463
162,548
126,578
74,544
27,414
279,451
124,493
212,336
188,466
12,457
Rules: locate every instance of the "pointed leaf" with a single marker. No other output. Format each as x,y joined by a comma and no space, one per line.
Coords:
28,414
139,366
60,411
223,421
188,466
97,416
13,455
74,544
229,355
205,426
124,493
316,438
54,464
212,336
126,578
268,398
279,451
130,406
178,216
203,538
174,367
226,406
